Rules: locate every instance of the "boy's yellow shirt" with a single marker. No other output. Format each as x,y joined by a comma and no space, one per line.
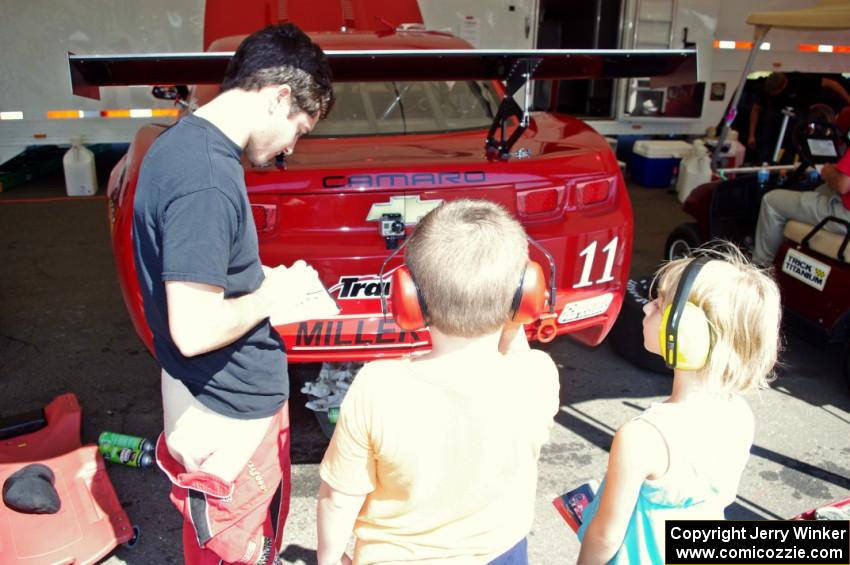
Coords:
447,457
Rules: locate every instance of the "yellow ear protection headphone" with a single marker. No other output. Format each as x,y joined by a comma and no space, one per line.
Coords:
685,334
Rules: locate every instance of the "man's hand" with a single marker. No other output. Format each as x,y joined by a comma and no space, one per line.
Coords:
513,339
835,179
751,142
281,281
285,289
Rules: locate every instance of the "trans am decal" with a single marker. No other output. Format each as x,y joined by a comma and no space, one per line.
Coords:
356,288
401,180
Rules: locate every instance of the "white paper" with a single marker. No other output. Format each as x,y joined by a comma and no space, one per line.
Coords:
315,303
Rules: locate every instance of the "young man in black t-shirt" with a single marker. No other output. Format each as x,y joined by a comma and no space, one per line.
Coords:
208,299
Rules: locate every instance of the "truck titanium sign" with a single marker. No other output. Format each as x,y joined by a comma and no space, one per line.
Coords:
806,269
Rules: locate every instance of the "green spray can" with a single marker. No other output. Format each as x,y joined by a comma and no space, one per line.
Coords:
128,456
333,414
107,440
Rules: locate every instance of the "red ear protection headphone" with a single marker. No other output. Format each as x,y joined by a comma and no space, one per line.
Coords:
408,306
410,311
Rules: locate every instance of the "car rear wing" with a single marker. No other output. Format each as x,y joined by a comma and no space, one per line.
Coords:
515,67
91,71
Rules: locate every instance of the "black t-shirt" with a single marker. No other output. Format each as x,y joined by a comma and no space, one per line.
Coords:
192,222
802,91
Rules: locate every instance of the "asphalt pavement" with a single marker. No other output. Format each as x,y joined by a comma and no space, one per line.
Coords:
63,328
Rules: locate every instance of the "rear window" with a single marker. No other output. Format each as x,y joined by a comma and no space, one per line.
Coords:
379,108
383,108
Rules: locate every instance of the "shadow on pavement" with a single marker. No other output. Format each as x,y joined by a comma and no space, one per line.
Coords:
297,554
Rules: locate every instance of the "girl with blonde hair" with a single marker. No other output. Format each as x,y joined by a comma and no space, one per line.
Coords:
716,322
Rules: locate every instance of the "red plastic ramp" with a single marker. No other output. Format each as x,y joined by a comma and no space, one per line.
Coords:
91,521
60,435
843,504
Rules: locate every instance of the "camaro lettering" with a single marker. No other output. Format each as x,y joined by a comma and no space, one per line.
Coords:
333,182
422,178
395,180
335,333
360,180
390,179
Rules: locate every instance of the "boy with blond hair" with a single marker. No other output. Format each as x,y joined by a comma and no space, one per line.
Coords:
682,459
434,458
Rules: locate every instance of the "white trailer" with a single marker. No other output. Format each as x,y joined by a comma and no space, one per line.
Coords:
38,108
36,103
631,106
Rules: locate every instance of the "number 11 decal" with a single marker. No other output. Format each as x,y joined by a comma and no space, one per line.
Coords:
589,254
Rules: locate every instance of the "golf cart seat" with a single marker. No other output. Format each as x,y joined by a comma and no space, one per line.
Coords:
832,245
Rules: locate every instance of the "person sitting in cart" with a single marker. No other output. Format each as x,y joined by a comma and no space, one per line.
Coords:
798,91
434,458
832,198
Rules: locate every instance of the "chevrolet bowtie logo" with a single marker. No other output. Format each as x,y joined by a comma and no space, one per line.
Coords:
410,207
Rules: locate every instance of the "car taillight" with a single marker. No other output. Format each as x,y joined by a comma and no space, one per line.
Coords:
593,192
540,201
265,217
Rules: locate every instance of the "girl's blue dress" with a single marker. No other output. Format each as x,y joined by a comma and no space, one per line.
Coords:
702,479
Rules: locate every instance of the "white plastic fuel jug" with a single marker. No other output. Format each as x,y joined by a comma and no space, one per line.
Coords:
694,170
80,173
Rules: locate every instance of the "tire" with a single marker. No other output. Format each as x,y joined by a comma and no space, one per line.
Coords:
682,241
133,541
627,334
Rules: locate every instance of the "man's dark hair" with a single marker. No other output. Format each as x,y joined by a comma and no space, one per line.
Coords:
775,83
283,54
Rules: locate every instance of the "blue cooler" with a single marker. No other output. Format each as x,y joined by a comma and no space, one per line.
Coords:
653,162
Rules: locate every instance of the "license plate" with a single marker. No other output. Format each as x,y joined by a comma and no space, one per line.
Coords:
586,308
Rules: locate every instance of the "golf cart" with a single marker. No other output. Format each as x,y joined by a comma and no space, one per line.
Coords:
812,267
729,209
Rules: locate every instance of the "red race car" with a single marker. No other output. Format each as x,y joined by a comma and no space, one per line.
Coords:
408,132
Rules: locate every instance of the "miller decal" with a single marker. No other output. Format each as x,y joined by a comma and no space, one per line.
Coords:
353,333
411,208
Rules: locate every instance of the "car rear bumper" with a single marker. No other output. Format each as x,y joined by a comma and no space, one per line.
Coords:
365,337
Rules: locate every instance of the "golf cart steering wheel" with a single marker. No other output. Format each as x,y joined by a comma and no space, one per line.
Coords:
818,142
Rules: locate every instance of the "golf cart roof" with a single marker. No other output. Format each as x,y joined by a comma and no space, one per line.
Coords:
828,14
